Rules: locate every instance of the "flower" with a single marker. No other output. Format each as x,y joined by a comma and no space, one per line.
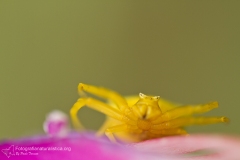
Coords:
212,146
86,146
82,146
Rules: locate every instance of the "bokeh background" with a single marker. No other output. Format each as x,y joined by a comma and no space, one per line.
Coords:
184,51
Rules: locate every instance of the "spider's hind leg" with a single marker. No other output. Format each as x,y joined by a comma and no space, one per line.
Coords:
119,128
171,131
108,122
124,128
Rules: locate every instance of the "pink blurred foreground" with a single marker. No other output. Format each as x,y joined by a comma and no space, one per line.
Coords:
61,144
85,146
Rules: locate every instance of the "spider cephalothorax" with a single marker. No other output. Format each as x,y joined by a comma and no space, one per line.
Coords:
146,106
140,118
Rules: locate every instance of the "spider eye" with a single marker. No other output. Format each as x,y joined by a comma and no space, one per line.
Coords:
141,95
156,98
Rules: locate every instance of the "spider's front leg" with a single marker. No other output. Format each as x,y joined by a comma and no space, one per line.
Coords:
184,111
96,105
104,93
179,117
186,121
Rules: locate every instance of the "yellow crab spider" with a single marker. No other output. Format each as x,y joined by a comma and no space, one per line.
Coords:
140,118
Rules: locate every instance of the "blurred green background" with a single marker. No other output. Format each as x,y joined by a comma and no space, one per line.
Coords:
184,51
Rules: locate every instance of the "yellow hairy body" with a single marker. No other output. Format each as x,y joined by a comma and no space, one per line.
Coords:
139,118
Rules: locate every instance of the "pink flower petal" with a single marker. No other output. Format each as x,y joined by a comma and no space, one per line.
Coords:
221,147
86,146
75,146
